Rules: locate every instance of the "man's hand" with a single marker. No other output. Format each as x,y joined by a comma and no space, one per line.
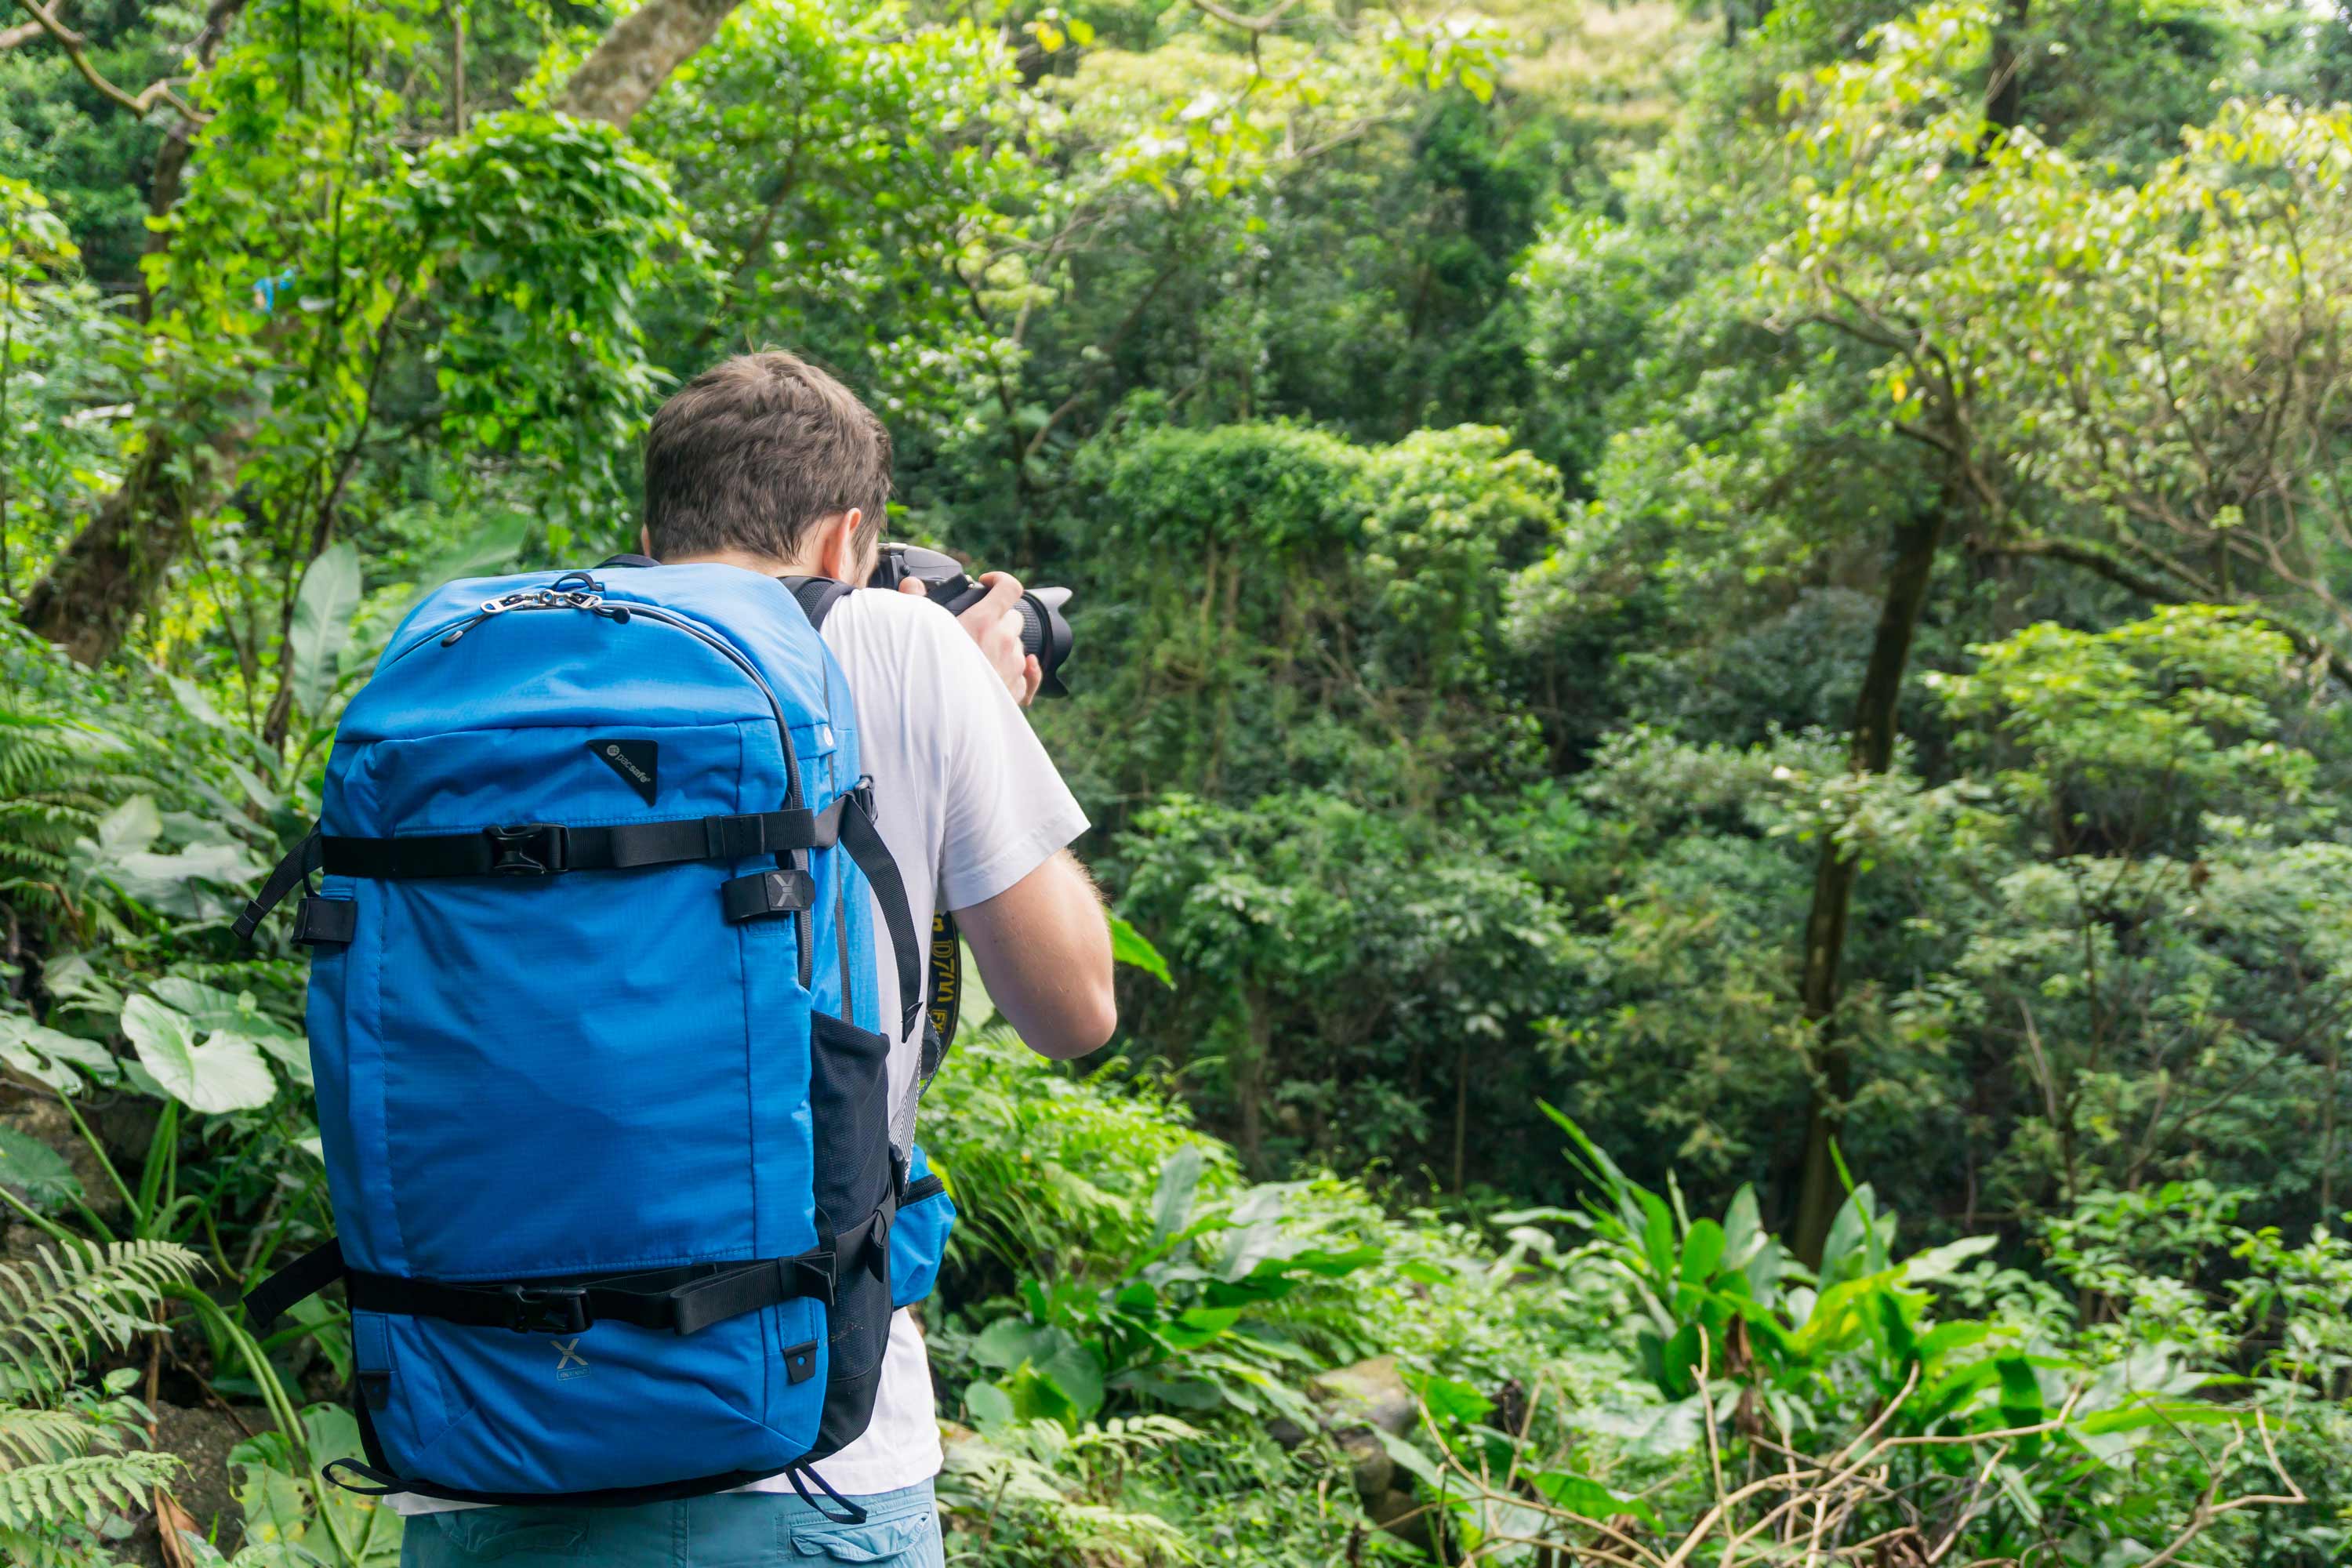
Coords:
996,625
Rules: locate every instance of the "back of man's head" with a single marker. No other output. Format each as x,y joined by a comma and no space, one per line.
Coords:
752,453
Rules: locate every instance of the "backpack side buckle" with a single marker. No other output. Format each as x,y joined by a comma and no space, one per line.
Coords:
546,1309
528,850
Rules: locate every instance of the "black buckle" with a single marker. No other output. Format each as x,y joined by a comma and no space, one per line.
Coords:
546,1309
816,1272
528,850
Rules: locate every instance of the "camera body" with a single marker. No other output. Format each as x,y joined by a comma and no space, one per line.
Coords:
1045,633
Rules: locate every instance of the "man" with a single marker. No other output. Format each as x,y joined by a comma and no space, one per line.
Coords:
768,463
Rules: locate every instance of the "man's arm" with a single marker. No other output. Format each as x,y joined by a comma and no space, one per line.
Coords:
1044,950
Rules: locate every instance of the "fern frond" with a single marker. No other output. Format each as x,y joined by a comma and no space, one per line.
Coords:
42,1495
43,1436
66,1299
23,1549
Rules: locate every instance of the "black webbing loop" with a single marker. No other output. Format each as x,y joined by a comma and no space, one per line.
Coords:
762,893
306,1276
300,862
864,842
380,1483
850,1513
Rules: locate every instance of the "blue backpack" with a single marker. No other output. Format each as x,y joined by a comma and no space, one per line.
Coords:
592,1018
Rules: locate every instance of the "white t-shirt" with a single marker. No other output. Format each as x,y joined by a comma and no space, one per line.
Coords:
968,804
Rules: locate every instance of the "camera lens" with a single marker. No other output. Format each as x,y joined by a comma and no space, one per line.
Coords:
1046,636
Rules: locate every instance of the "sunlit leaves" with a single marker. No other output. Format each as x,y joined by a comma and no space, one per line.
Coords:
224,1072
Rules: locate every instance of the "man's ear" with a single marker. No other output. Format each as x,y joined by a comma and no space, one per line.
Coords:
838,556
644,541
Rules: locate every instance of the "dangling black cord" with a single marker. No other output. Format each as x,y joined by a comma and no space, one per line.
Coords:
851,1514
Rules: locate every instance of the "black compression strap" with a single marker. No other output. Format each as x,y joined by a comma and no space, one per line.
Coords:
817,595
682,1300
300,862
864,842
306,1276
545,849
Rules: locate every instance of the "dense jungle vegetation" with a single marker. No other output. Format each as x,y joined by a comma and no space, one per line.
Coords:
1713,654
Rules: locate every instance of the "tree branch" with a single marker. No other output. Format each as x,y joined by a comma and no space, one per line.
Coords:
2103,562
77,48
1254,26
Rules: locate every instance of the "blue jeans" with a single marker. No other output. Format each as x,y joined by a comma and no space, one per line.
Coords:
730,1529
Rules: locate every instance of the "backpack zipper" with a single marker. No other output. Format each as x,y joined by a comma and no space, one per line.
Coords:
621,614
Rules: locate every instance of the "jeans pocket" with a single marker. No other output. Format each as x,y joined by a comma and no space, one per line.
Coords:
905,1541
519,1537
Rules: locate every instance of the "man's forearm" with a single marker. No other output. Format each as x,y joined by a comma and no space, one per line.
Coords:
1044,951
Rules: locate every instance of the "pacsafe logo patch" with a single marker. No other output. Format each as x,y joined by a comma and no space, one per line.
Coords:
569,1362
639,762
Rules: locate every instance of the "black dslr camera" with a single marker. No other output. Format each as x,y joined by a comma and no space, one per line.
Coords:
1044,632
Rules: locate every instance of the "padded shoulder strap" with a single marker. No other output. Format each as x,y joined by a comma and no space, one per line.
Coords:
817,595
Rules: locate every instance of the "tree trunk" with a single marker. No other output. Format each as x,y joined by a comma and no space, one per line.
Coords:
1249,1087
110,570
1461,1110
638,54
1870,750
2004,85
101,582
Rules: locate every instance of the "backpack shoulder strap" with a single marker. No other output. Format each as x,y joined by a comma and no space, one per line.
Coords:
817,595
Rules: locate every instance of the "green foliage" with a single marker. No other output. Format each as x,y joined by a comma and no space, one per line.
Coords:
1475,442
69,1452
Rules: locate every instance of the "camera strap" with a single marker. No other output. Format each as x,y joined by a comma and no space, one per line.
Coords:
943,997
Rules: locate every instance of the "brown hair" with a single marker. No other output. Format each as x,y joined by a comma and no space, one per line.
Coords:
750,454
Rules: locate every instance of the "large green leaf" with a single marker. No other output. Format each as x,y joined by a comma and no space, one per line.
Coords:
49,1056
226,1072
1172,1199
323,608
36,1170
1589,1499
1128,945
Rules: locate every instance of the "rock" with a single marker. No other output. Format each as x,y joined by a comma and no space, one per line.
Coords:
1367,1456
1370,1393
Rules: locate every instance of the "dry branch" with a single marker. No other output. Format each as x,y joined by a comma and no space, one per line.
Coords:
164,90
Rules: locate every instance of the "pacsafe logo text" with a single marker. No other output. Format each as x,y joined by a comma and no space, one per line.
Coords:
638,763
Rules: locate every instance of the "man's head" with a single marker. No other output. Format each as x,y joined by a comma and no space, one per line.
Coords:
765,457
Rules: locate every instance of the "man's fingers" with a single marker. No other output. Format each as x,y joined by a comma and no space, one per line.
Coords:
1032,676
915,585
1003,593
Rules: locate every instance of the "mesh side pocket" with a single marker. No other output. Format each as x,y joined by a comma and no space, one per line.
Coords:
849,1108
